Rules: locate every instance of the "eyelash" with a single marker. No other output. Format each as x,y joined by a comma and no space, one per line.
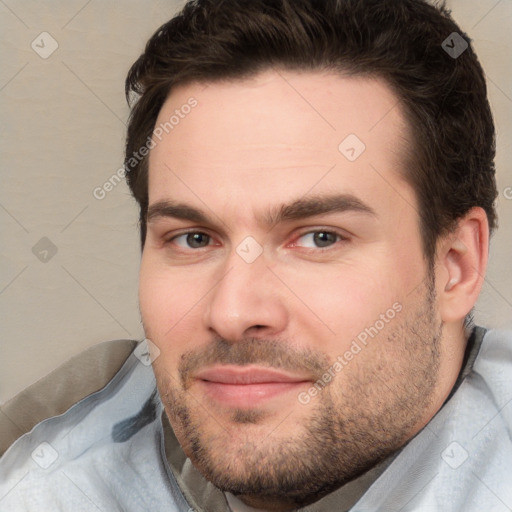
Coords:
339,238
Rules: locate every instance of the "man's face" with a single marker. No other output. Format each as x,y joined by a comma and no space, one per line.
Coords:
284,283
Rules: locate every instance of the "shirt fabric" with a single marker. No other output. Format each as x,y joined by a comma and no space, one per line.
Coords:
114,450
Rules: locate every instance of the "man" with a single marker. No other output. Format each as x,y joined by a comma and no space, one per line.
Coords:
316,188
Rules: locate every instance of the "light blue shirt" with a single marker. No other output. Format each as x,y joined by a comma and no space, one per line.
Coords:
100,455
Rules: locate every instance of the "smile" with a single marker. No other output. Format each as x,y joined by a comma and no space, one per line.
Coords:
247,387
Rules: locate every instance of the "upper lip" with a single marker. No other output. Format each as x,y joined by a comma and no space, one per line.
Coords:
232,374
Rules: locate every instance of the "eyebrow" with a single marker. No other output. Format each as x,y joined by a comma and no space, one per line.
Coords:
297,210
169,209
317,205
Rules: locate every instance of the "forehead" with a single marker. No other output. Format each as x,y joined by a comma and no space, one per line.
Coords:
277,132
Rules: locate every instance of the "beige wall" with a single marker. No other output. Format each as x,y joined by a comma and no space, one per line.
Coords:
62,130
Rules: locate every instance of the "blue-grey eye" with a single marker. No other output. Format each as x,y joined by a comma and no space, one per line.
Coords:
318,239
194,240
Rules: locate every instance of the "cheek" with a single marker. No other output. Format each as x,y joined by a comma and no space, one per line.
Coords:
344,302
170,301
336,304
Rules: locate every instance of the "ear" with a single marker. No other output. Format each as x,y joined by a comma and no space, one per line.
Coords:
461,265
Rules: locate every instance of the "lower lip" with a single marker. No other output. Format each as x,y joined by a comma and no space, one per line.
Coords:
248,395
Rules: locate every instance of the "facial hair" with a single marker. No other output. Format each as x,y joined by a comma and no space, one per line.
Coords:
365,414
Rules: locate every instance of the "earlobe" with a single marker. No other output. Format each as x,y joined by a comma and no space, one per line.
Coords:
462,262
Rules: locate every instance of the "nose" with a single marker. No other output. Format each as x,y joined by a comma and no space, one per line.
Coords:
246,302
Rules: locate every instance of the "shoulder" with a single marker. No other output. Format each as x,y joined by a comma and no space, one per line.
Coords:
491,378
103,452
496,350
52,395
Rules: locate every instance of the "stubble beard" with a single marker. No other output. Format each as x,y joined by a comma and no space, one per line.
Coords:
357,421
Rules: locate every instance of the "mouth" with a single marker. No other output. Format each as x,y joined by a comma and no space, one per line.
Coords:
248,386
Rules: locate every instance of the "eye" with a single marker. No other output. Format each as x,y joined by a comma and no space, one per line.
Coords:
318,239
193,240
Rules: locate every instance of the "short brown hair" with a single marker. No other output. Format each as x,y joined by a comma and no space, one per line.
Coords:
444,98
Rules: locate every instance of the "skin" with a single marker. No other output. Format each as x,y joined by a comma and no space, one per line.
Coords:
247,149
